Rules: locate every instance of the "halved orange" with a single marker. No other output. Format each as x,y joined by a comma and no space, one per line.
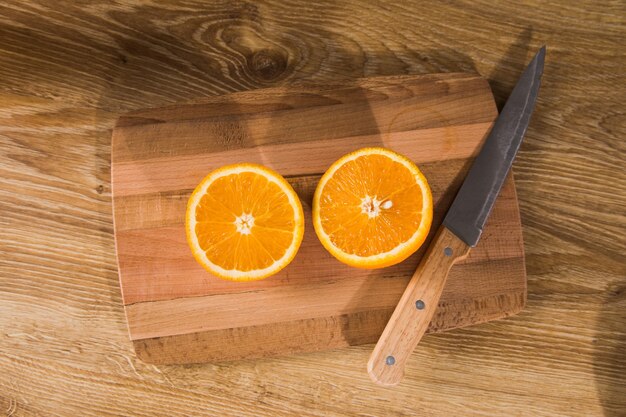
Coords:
244,222
372,208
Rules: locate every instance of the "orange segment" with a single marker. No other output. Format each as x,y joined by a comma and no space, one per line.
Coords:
244,222
372,208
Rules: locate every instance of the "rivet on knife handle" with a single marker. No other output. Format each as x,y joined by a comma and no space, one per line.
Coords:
415,309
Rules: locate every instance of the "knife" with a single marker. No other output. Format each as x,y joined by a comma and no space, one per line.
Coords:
460,231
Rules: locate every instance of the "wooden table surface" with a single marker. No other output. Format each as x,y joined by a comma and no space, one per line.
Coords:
68,69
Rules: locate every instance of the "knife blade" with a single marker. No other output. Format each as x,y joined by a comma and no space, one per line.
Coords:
460,231
473,203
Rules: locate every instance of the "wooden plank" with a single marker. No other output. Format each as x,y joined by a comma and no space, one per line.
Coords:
298,95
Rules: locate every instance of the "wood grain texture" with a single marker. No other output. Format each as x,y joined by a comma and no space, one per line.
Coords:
299,132
416,308
69,69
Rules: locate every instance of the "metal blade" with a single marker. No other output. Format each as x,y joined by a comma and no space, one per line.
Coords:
472,205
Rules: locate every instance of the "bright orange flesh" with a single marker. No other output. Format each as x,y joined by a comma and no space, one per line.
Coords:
244,222
372,208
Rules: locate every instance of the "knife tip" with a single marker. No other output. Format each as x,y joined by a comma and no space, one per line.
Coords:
541,50
540,57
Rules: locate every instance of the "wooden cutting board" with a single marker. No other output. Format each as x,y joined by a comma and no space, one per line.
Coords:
178,313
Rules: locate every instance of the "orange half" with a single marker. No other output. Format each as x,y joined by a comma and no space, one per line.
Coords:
244,222
372,208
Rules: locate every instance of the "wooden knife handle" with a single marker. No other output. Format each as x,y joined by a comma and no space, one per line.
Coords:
415,309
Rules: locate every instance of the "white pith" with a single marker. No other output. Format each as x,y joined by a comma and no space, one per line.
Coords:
371,206
244,223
